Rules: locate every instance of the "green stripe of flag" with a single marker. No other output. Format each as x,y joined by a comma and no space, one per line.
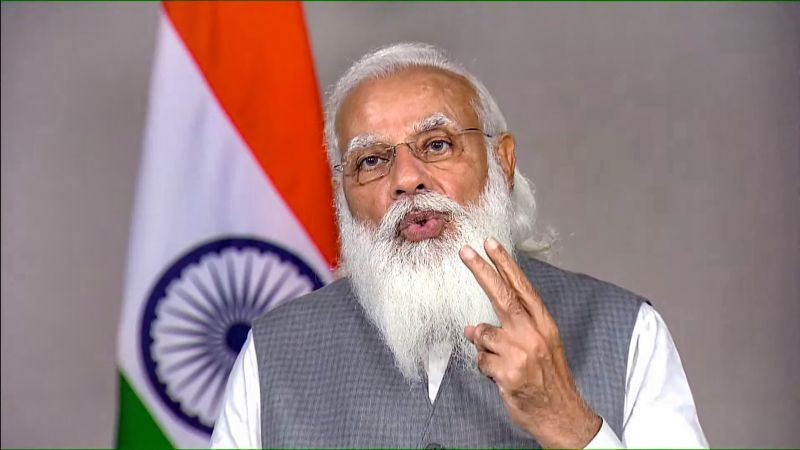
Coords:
136,428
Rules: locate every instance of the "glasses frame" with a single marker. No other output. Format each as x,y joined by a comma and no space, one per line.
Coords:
392,152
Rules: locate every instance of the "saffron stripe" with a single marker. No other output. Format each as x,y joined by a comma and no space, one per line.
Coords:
256,58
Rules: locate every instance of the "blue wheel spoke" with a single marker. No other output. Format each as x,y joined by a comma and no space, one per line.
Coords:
212,319
194,375
218,369
232,285
172,348
218,308
260,286
248,267
172,329
221,383
188,361
209,326
222,295
275,287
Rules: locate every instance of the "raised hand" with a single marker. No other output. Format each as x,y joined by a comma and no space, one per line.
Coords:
525,356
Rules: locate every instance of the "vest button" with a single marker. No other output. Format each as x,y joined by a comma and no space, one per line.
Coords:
434,445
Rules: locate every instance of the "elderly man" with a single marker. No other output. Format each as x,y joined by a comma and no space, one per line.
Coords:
445,331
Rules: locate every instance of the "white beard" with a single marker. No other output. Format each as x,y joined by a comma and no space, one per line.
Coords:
420,295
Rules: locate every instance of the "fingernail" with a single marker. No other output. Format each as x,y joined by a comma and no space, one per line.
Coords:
467,252
492,243
468,332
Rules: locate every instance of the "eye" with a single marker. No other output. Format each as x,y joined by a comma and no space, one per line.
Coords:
438,146
371,162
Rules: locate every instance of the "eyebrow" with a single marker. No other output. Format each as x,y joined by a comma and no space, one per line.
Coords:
363,141
366,140
431,122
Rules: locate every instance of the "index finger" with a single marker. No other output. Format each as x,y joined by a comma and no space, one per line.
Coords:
516,279
504,300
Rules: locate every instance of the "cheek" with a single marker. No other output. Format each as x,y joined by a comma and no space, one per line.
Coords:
365,204
465,182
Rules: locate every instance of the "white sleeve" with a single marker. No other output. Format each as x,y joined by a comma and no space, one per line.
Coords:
605,438
239,422
659,408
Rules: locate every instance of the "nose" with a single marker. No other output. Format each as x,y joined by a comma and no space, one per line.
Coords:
408,175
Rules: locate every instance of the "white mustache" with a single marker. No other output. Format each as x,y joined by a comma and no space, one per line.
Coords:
427,201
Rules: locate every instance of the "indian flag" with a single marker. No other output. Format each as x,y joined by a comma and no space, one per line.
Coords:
233,212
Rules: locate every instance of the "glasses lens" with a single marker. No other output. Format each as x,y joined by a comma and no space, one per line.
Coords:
438,145
435,145
372,163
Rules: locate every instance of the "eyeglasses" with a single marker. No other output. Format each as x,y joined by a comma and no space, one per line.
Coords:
375,161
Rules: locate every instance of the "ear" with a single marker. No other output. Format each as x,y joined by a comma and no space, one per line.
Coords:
507,156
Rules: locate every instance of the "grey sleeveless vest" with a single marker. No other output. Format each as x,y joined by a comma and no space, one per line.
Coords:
328,380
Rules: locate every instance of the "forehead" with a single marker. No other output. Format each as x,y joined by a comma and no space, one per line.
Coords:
391,106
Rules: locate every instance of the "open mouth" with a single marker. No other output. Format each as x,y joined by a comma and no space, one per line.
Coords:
421,225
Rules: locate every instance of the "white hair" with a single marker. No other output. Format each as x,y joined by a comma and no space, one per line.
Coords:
396,58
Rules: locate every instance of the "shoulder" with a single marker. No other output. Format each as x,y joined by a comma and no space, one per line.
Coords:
559,284
332,303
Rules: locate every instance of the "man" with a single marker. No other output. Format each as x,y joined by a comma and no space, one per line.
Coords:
445,331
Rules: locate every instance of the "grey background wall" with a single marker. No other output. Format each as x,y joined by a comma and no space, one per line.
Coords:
662,138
